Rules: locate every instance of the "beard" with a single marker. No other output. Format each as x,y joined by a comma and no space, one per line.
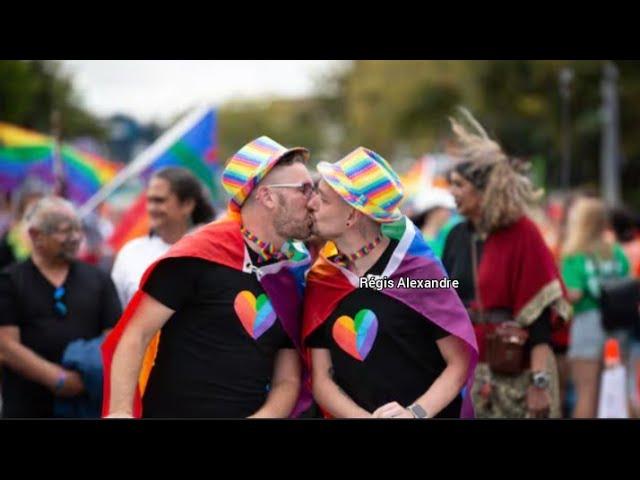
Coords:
288,223
289,227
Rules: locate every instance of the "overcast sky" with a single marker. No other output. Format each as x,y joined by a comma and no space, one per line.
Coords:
159,89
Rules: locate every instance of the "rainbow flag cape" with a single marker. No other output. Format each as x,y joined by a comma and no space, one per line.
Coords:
328,284
222,242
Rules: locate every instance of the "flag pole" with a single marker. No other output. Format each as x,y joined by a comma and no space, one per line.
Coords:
146,158
58,167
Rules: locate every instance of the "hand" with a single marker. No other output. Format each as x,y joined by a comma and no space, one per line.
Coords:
392,410
119,415
72,386
262,413
538,402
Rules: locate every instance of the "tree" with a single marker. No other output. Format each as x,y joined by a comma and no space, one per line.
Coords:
31,90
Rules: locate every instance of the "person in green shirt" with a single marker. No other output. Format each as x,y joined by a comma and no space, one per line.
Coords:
589,256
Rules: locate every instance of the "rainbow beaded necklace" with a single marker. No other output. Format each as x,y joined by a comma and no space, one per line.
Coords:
346,259
267,250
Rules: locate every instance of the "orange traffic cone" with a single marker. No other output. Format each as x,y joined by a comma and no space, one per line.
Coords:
612,402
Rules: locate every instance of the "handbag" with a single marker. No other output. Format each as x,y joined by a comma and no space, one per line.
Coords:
505,345
619,301
506,349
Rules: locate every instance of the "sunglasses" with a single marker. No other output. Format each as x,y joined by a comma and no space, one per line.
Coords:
307,189
58,302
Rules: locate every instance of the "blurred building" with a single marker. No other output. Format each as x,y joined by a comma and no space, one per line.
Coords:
127,138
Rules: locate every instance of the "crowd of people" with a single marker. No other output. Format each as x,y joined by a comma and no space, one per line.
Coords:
261,311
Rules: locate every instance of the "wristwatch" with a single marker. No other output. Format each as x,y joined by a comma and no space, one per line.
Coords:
417,411
540,379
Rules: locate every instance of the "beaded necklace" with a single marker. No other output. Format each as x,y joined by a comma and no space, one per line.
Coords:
345,259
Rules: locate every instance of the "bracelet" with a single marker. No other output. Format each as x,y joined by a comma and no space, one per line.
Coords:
417,411
60,382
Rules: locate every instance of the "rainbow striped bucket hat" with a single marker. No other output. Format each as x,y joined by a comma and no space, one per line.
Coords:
251,164
367,182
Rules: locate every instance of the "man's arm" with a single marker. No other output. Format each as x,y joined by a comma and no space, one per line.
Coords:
285,386
26,362
147,320
327,393
445,388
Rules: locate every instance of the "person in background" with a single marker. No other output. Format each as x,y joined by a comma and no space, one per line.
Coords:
15,245
47,302
589,255
508,279
434,214
627,233
176,202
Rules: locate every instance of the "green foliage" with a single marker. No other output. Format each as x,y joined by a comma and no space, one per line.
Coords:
31,90
401,108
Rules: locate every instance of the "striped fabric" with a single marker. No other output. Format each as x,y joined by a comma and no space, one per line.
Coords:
251,164
366,182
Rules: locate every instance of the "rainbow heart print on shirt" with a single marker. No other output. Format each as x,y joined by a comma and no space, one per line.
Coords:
356,336
256,314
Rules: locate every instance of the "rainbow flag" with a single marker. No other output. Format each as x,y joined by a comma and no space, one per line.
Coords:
134,223
426,172
329,283
195,150
221,242
417,177
24,153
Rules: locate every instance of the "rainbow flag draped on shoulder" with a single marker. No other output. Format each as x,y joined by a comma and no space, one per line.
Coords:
24,153
221,242
328,284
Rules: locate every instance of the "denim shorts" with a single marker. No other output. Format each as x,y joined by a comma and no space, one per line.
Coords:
587,337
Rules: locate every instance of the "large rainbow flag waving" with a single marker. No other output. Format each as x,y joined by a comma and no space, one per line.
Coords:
195,150
24,153
191,144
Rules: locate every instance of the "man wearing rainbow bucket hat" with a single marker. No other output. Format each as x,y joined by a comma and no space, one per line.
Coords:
214,329
386,335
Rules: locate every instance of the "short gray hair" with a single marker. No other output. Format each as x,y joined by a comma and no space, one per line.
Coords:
44,214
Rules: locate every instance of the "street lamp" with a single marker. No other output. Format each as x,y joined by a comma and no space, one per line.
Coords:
565,80
610,146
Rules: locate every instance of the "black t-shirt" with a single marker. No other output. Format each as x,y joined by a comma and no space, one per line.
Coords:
397,359
456,259
457,262
26,301
6,253
211,361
